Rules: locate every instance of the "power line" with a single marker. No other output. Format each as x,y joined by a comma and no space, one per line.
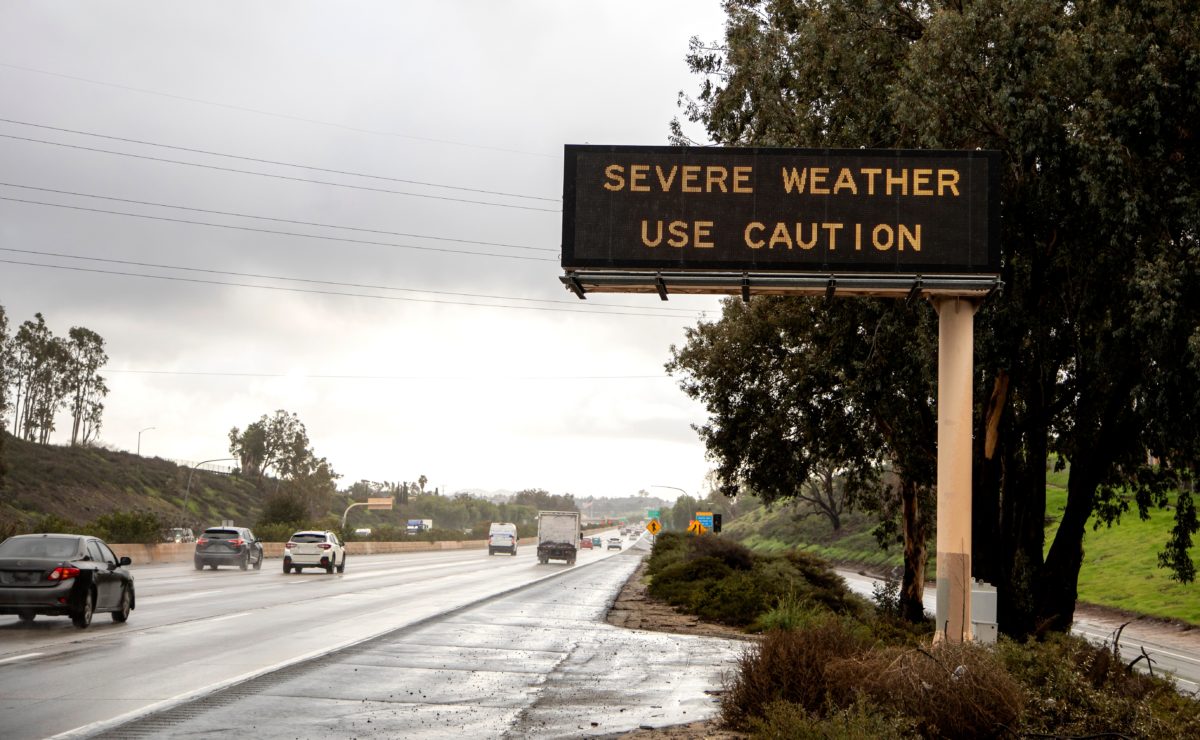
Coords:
252,374
275,162
277,232
202,281
272,114
279,177
327,282
270,218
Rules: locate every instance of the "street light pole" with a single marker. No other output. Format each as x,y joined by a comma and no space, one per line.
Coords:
139,449
188,492
677,488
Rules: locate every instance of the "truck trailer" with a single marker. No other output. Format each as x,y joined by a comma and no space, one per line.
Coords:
416,526
558,536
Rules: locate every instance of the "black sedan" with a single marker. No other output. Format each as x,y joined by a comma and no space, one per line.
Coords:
63,575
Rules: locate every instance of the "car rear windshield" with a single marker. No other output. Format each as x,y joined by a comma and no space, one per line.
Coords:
40,547
222,534
306,537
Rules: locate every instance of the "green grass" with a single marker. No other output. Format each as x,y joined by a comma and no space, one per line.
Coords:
1120,567
1120,564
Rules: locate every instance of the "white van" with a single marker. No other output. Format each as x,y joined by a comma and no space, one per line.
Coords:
502,537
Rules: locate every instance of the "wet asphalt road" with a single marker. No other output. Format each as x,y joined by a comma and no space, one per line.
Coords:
195,633
536,663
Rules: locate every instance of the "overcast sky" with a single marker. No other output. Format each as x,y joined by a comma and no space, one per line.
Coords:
535,389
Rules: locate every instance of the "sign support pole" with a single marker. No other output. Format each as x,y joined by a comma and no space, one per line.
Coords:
956,347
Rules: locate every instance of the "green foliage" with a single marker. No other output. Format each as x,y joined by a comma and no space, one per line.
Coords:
724,582
128,527
1074,688
1092,349
51,523
284,508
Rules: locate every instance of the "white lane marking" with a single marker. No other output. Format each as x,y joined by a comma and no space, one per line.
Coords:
20,657
224,617
176,597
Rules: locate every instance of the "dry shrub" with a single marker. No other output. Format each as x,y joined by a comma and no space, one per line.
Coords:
952,690
789,666
861,721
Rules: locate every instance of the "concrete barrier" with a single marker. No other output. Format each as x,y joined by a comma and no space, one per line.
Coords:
181,552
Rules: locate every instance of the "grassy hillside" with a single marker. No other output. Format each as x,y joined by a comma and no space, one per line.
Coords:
79,484
1120,568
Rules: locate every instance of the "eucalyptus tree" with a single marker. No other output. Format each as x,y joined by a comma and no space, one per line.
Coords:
1091,354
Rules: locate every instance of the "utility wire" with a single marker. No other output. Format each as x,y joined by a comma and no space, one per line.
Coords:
272,114
275,162
251,374
334,283
269,218
280,177
202,281
276,231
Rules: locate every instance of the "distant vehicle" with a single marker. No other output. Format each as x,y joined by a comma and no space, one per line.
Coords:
596,542
314,549
218,546
502,537
179,534
416,526
558,536
362,532
585,543
63,575
614,543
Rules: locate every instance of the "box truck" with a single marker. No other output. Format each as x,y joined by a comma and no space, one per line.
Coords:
558,536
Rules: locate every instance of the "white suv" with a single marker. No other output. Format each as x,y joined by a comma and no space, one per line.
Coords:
312,549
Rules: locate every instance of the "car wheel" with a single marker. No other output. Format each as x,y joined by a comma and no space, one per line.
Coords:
27,616
296,568
329,567
122,612
213,566
287,567
258,563
83,617
199,565
245,564
514,552
342,565
491,552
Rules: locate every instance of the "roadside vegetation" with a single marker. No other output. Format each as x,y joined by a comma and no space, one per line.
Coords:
1120,565
829,664
124,498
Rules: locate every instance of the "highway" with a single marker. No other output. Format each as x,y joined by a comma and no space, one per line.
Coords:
194,633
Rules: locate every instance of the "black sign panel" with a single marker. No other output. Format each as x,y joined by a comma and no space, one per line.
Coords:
781,210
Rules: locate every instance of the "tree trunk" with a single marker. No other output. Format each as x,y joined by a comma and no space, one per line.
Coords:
1060,578
916,532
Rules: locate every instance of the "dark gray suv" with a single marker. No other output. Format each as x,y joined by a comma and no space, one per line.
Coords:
228,546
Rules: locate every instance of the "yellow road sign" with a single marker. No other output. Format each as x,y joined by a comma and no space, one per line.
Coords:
653,527
695,527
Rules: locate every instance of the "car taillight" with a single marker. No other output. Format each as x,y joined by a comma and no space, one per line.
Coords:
237,542
62,574
289,545
325,545
202,541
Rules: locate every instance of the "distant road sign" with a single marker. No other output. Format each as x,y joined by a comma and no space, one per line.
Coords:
380,503
705,518
653,527
695,527
653,514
